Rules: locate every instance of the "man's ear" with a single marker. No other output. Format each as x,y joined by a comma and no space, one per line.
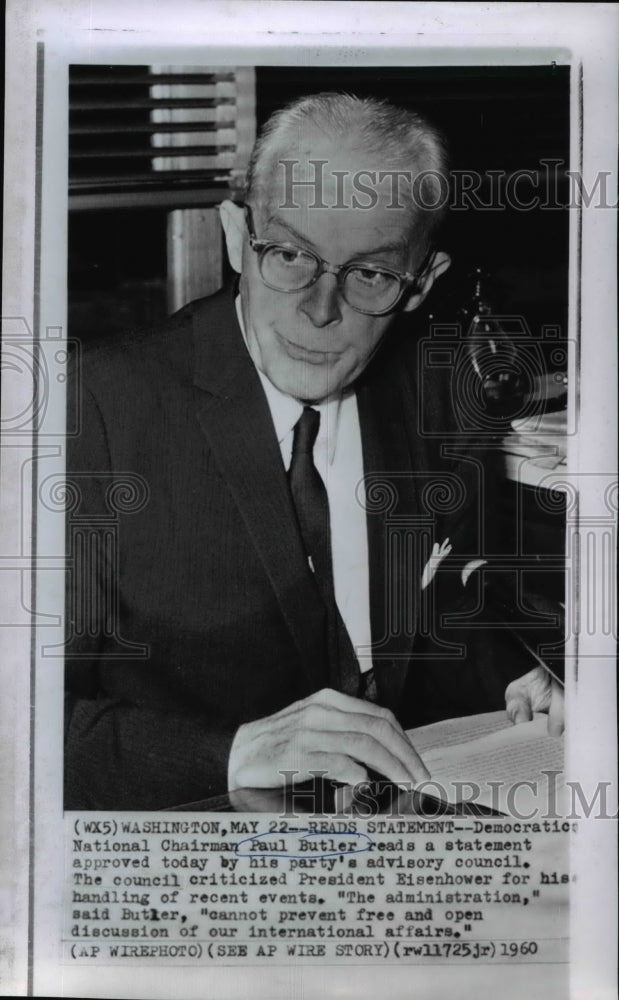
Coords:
233,221
437,266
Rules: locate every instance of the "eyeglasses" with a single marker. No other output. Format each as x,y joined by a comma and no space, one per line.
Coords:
366,288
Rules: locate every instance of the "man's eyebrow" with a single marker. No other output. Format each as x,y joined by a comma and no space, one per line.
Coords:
297,236
392,246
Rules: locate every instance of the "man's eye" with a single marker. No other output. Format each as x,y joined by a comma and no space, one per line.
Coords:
371,278
288,257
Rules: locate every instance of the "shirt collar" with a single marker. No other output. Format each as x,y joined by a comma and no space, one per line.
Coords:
286,410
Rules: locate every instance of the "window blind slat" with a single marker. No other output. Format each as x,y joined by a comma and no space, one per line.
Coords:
113,128
158,179
145,79
151,198
147,103
147,153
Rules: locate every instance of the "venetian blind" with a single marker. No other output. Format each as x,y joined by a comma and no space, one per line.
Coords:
158,136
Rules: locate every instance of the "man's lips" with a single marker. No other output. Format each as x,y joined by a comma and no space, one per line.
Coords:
312,357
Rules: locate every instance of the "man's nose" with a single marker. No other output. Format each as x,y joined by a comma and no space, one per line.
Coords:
321,301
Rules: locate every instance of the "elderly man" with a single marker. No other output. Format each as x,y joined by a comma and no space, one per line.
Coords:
271,594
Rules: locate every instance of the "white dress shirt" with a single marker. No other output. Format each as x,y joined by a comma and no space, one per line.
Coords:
338,457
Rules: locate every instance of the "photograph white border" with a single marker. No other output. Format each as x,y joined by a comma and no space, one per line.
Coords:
583,35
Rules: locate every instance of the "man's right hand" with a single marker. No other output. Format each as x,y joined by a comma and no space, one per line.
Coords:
327,732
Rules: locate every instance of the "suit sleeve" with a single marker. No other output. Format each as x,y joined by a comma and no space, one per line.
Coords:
120,753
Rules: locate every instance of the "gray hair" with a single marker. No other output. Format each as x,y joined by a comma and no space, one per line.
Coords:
396,135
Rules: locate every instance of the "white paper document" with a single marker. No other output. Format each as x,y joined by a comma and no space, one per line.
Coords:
487,759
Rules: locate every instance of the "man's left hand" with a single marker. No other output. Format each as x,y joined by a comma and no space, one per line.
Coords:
536,691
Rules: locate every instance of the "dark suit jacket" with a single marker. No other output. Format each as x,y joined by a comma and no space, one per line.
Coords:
191,606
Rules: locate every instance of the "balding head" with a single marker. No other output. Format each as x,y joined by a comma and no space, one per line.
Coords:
376,141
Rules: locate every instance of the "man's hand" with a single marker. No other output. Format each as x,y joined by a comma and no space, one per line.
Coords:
329,732
536,691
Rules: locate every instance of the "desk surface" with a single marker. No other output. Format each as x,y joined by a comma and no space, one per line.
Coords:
322,798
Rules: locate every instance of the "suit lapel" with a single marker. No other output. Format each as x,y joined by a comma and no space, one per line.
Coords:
236,420
392,503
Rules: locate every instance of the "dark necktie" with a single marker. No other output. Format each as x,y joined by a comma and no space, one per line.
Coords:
312,507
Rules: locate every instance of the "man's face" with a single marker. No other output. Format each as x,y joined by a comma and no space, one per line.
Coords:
311,344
